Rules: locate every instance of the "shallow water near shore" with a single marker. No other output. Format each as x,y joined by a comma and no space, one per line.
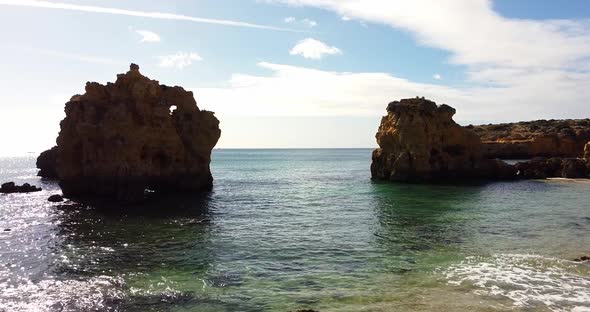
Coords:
294,229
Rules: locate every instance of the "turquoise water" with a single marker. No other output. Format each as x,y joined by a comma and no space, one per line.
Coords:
293,229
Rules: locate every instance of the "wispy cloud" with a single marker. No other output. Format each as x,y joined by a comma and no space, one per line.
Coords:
135,13
304,22
313,49
437,76
179,60
300,91
148,36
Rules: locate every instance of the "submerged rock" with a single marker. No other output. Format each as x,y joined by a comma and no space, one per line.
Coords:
419,141
11,187
119,140
55,198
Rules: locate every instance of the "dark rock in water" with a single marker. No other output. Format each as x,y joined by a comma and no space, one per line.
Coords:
120,140
574,168
306,310
10,187
541,168
7,230
55,198
582,259
47,163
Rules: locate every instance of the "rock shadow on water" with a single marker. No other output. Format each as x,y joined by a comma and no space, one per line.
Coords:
146,246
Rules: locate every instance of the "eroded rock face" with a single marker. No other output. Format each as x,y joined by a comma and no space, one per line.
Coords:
47,163
134,135
539,138
419,141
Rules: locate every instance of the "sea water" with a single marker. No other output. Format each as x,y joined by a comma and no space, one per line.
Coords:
299,229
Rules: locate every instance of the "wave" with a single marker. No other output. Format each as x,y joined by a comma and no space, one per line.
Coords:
529,281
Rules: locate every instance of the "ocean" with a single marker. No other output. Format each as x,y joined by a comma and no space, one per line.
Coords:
293,229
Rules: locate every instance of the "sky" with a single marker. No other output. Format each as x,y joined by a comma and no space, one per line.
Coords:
297,73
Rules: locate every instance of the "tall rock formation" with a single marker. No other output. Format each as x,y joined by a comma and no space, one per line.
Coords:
133,136
419,141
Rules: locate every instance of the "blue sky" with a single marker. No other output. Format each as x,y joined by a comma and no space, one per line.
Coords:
298,73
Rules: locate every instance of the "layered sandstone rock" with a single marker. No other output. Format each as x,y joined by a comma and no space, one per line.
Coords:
419,141
523,140
133,136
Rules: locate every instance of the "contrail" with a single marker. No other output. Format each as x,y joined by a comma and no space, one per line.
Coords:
115,11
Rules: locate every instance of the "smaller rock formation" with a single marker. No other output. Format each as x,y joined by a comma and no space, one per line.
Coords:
11,187
582,259
55,198
419,141
47,163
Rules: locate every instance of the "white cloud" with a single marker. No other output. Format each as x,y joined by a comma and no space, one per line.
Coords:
148,36
313,49
298,91
304,22
135,13
495,49
437,76
473,32
179,60
345,18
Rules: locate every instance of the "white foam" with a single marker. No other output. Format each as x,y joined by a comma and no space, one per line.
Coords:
528,280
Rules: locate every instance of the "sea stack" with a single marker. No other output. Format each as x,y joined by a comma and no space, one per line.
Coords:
419,142
123,139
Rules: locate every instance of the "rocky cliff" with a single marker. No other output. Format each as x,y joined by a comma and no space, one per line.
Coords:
419,141
133,136
523,140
